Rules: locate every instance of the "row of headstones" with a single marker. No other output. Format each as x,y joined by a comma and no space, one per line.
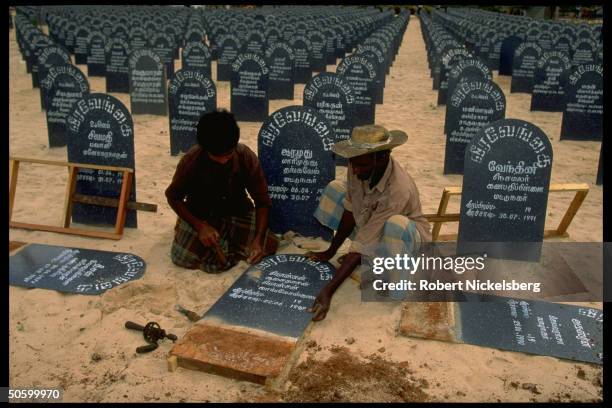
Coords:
560,76
192,92
474,100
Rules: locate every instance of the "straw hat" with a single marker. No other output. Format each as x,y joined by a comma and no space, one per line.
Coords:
369,139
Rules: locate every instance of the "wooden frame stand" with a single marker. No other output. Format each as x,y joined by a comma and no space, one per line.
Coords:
581,189
122,204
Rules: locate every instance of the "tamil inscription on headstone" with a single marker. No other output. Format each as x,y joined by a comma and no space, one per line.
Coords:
583,114
249,88
147,83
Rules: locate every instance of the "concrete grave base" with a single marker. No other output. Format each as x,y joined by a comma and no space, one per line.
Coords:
429,320
237,352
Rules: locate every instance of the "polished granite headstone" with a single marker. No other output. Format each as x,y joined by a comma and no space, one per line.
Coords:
331,95
524,63
117,69
506,53
549,81
96,54
360,73
80,48
63,86
100,131
196,57
294,147
302,49
52,55
190,94
532,326
228,49
505,191
147,83
448,60
470,69
249,99
164,46
253,331
72,270
583,115
472,105
281,63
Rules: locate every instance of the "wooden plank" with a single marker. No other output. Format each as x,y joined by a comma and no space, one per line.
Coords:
71,186
113,202
442,218
13,245
67,164
14,171
441,212
568,187
549,233
75,231
571,211
126,186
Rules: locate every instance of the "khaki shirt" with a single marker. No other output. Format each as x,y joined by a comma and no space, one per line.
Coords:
396,193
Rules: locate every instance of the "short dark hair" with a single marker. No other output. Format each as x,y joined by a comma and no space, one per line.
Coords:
218,132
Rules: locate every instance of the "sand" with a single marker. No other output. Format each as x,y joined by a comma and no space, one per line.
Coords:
78,342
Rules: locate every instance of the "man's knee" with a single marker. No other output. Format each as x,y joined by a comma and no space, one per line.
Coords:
395,222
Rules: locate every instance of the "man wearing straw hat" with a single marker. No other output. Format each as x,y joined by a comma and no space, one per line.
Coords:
379,204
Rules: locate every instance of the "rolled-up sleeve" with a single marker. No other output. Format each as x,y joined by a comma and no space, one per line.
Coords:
257,186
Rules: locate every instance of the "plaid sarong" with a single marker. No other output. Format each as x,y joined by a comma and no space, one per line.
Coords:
236,234
400,235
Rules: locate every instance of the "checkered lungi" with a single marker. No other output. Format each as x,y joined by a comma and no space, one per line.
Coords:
400,235
236,234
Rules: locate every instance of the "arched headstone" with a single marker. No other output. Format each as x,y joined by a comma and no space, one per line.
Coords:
473,104
249,88
302,49
52,55
147,83
524,63
331,95
100,131
196,57
190,94
360,73
63,86
294,147
506,53
163,45
549,82
281,62
96,56
466,69
505,190
228,48
583,114
117,69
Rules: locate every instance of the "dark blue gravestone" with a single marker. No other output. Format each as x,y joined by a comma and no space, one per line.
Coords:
319,51
472,105
249,88
80,45
194,34
96,54
190,94
330,45
281,61
448,60
39,43
584,51
138,38
545,40
505,190
196,57
73,270
302,49
50,56
229,46
360,73
273,295
376,54
549,82
117,69
583,114
524,63
563,42
147,83
532,326
100,131
599,180
163,45
506,53
63,86
294,147
331,95
470,69
254,43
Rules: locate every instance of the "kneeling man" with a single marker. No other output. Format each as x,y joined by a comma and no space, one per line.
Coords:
217,224
379,203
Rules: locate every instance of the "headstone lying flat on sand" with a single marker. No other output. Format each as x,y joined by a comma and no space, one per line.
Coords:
254,331
528,326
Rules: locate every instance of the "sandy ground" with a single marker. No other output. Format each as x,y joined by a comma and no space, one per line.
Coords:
78,343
